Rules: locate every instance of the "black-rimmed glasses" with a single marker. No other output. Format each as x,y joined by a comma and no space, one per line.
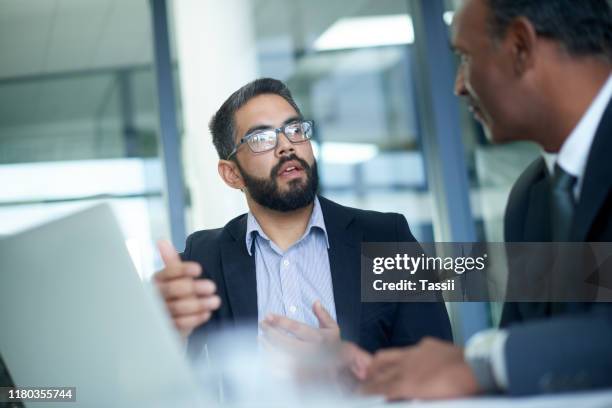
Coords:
261,141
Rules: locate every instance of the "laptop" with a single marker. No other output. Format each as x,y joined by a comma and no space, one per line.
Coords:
74,313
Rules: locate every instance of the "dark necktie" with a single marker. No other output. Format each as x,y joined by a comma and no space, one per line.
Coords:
567,286
562,203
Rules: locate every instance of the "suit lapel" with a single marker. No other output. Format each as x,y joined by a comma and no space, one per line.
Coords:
537,219
239,273
536,229
597,179
344,262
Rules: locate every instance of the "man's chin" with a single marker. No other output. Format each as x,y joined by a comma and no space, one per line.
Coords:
292,192
286,186
497,137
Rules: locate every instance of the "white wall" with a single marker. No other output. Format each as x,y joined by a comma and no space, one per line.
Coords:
216,55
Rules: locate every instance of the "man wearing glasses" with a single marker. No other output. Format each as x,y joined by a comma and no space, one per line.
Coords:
293,262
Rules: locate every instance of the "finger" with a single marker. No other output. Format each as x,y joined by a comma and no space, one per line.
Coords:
380,372
179,270
185,307
211,303
187,323
205,287
168,253
358,360
193,305
324,318
383,360
277,338
177,288
381,382
300,330
359,368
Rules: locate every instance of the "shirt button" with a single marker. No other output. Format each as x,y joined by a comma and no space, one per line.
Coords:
286,262
293,309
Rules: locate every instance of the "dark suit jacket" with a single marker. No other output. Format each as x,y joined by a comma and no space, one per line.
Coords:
561,346
224,259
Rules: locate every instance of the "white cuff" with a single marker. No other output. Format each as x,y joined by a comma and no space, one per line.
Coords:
490,345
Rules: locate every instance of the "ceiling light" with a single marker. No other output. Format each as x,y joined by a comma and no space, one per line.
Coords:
371,31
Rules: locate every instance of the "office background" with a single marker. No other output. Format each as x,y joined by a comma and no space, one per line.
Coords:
110,100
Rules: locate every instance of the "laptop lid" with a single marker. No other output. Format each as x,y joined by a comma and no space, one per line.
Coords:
74,313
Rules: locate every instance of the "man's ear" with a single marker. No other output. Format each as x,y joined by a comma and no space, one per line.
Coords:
229,172
522,39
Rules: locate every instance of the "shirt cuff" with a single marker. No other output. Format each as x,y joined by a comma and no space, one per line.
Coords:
486,348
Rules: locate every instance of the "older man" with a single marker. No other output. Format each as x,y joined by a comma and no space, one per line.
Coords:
540,71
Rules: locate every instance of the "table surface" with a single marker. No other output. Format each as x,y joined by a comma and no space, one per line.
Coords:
599,399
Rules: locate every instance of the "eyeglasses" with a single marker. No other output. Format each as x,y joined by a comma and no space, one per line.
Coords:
261,141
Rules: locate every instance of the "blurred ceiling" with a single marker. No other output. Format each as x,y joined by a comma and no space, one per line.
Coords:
53,36
60,60
310,18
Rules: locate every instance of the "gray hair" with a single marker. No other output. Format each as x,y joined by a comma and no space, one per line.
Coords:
582,27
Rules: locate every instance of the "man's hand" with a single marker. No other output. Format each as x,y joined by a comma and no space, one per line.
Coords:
347,359
432,369
295,336
355,360
190,301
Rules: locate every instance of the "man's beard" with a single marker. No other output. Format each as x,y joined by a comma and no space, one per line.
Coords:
266,192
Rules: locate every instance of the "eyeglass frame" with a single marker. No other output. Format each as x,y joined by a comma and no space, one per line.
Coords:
277,130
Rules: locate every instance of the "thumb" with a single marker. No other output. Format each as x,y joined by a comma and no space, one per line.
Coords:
356,359
168,253
324,318
361,362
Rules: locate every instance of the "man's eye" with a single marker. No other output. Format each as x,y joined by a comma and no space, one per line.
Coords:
294,128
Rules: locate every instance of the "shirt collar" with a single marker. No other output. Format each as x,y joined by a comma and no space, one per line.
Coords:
316,221
574,153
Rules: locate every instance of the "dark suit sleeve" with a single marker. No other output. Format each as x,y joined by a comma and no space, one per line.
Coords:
546,353
413,320
560,354
200,248
186,254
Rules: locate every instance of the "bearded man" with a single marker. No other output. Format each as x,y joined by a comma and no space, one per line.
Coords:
292,263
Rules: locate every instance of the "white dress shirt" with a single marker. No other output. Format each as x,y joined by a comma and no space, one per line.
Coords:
572,158
574,153
290,281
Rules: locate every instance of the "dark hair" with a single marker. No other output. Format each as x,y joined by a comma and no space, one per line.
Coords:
222,124
583,27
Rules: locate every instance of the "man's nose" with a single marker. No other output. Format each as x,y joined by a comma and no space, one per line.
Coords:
460,89
283,145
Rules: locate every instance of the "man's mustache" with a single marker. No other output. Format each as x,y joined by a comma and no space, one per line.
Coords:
285,159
